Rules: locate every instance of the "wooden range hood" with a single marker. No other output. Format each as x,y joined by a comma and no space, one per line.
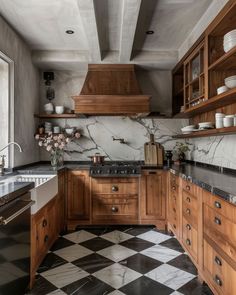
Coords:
111,89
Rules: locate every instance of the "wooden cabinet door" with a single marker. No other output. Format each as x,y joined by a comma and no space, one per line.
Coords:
153,195
78,197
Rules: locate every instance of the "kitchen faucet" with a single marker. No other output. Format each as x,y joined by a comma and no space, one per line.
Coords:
2,161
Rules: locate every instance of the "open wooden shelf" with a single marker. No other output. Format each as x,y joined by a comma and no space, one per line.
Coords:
56,116
213,103
226,61
210,132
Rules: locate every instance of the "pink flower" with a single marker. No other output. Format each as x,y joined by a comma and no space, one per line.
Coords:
56,144
67,140
55,137
37,136
48,148
40,143
61,136
77,135
61,147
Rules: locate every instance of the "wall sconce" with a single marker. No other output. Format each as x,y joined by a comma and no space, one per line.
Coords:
50,92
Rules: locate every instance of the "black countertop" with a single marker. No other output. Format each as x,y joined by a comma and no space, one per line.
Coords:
219,183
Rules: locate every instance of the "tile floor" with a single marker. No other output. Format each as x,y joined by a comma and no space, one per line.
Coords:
125,260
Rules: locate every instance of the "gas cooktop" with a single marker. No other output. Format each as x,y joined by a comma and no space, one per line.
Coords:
116,169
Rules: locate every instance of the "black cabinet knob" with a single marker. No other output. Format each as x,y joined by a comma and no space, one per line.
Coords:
217,204
188,242
218,261
114,188
114,209
45,223
188,226
217,221
218,280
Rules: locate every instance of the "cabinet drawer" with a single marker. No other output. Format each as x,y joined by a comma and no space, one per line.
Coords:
114,186
221,230
188,187
220,206
190,212
221,275
114,207
190,238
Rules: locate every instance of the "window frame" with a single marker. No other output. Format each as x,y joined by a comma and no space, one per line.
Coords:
11,76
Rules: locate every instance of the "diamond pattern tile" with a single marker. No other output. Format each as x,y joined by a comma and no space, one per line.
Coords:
93,262
97,244
170,276
117,260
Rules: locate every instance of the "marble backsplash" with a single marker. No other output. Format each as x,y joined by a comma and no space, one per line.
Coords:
219,150
97,133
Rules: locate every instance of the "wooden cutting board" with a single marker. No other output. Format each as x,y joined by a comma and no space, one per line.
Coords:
153,152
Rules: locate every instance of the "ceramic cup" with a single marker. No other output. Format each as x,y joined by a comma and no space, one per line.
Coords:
59,109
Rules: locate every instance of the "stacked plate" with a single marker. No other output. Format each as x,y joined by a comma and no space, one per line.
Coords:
229,40
206,125
189,129
48,127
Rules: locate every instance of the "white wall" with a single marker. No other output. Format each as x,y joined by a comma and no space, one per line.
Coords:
26,89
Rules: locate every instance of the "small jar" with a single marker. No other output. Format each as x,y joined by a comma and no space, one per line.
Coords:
228,121
219,120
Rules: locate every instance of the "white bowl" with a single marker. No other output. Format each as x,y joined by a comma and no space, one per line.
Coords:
222,89
230,78
230,83
230,33
59,109
69,131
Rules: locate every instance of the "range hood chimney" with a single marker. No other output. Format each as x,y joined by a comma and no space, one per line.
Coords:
111,89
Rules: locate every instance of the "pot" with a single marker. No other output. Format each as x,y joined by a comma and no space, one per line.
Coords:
97,159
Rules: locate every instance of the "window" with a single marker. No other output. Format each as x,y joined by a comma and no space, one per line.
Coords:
6,107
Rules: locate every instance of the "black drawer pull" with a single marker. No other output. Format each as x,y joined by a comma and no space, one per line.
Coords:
152,172
188,226
217,221
188,199
218,261
174,226
188,242
173,188
188,211
46,239
114,188
218,280
45,223
114,209
217,204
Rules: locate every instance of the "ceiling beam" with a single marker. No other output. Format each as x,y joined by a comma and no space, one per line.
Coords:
88,16
78,60
130,13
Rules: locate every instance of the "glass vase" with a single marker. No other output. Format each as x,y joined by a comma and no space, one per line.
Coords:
57,158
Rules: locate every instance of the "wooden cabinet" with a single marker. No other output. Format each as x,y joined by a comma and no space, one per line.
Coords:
78,198
153,197
115,200
194,82
219,274
200,92
191,196
173,208
44,232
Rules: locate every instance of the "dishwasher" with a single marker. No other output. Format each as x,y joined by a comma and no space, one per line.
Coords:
15,245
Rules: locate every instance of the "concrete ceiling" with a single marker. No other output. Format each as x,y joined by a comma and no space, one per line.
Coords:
109,31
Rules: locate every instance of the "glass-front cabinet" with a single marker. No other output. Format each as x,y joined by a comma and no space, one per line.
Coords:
194,88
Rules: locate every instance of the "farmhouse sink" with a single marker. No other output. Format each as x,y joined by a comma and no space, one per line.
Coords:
46,188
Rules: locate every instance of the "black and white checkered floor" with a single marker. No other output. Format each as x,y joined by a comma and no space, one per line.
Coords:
125,260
